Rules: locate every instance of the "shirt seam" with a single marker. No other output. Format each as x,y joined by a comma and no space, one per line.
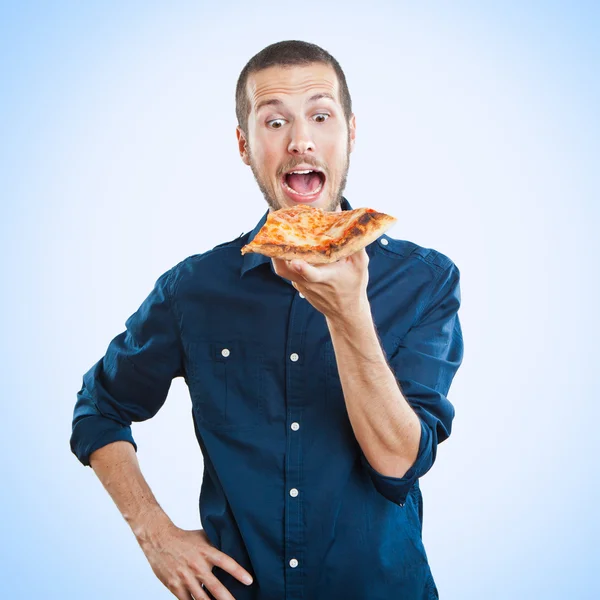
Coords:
435,266
170,292
427,304
231,245
392,253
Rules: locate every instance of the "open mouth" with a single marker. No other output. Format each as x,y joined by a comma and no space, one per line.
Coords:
303,184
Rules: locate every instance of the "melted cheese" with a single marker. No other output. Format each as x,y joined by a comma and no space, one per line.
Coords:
310,232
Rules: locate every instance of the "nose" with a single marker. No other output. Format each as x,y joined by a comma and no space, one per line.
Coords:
301,140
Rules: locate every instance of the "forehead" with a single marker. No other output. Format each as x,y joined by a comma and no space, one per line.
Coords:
293,82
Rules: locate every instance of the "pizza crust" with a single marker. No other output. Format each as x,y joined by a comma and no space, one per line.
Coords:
316,236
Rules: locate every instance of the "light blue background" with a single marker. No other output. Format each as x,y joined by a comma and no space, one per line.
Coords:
477,126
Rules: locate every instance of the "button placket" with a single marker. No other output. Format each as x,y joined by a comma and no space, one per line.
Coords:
295,400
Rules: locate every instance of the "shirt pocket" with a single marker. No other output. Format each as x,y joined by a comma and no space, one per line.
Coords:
226,383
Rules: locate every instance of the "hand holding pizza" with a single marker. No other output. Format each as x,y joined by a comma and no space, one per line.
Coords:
323,254
338,289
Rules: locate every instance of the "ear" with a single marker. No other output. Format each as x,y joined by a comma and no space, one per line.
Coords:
242,145
352,126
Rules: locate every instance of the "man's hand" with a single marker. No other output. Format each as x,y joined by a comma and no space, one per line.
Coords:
337,289
183,560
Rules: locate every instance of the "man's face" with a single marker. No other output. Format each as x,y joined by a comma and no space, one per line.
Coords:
291,129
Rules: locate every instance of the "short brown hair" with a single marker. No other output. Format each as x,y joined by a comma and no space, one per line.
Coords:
285,54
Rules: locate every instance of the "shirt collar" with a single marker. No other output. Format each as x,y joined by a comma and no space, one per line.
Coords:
252,259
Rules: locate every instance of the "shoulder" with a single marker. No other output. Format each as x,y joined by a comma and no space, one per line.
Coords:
428,273
405,250
222,257
215,253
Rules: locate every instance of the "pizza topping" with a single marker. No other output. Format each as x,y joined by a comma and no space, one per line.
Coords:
317,236
304,182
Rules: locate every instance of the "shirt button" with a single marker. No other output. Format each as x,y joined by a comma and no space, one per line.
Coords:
384,241
301,296
294,357
295,426
225,352
293,492
293,563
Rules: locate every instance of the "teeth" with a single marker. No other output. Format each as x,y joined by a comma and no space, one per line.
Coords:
301,172
307,194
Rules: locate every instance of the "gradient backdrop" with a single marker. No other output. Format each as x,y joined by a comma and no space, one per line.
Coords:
477,127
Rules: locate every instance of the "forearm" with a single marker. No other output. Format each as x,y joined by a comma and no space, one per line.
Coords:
384,423
117,467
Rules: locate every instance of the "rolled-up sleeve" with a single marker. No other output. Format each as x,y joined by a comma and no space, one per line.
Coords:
132,380
424,364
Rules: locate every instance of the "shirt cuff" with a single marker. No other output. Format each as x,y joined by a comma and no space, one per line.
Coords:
396,489
93,432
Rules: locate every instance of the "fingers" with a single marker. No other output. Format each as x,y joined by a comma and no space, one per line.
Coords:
198,592
190,587
281,267
295,269
183,561
181,592
225,562
216,588
305,271
296,265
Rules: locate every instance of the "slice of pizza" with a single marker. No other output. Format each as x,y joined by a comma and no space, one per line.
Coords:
317,236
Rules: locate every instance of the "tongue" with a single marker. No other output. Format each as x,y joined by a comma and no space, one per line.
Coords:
303,184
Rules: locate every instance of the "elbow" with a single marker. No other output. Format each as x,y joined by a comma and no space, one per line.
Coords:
92,430
395,488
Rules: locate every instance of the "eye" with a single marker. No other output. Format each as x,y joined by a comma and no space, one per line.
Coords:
325,115
275,121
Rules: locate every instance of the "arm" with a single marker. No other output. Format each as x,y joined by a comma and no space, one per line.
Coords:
131,383
386,427
118,469
181,559
420,371
423,365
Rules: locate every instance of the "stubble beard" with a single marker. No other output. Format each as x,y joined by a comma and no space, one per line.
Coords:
270,196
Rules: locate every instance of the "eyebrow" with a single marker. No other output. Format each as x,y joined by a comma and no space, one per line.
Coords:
277,102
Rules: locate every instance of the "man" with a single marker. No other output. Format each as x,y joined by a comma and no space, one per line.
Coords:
319,393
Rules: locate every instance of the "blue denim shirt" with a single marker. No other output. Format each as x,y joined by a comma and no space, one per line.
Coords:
287,491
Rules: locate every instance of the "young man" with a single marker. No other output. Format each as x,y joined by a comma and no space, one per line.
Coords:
319,393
